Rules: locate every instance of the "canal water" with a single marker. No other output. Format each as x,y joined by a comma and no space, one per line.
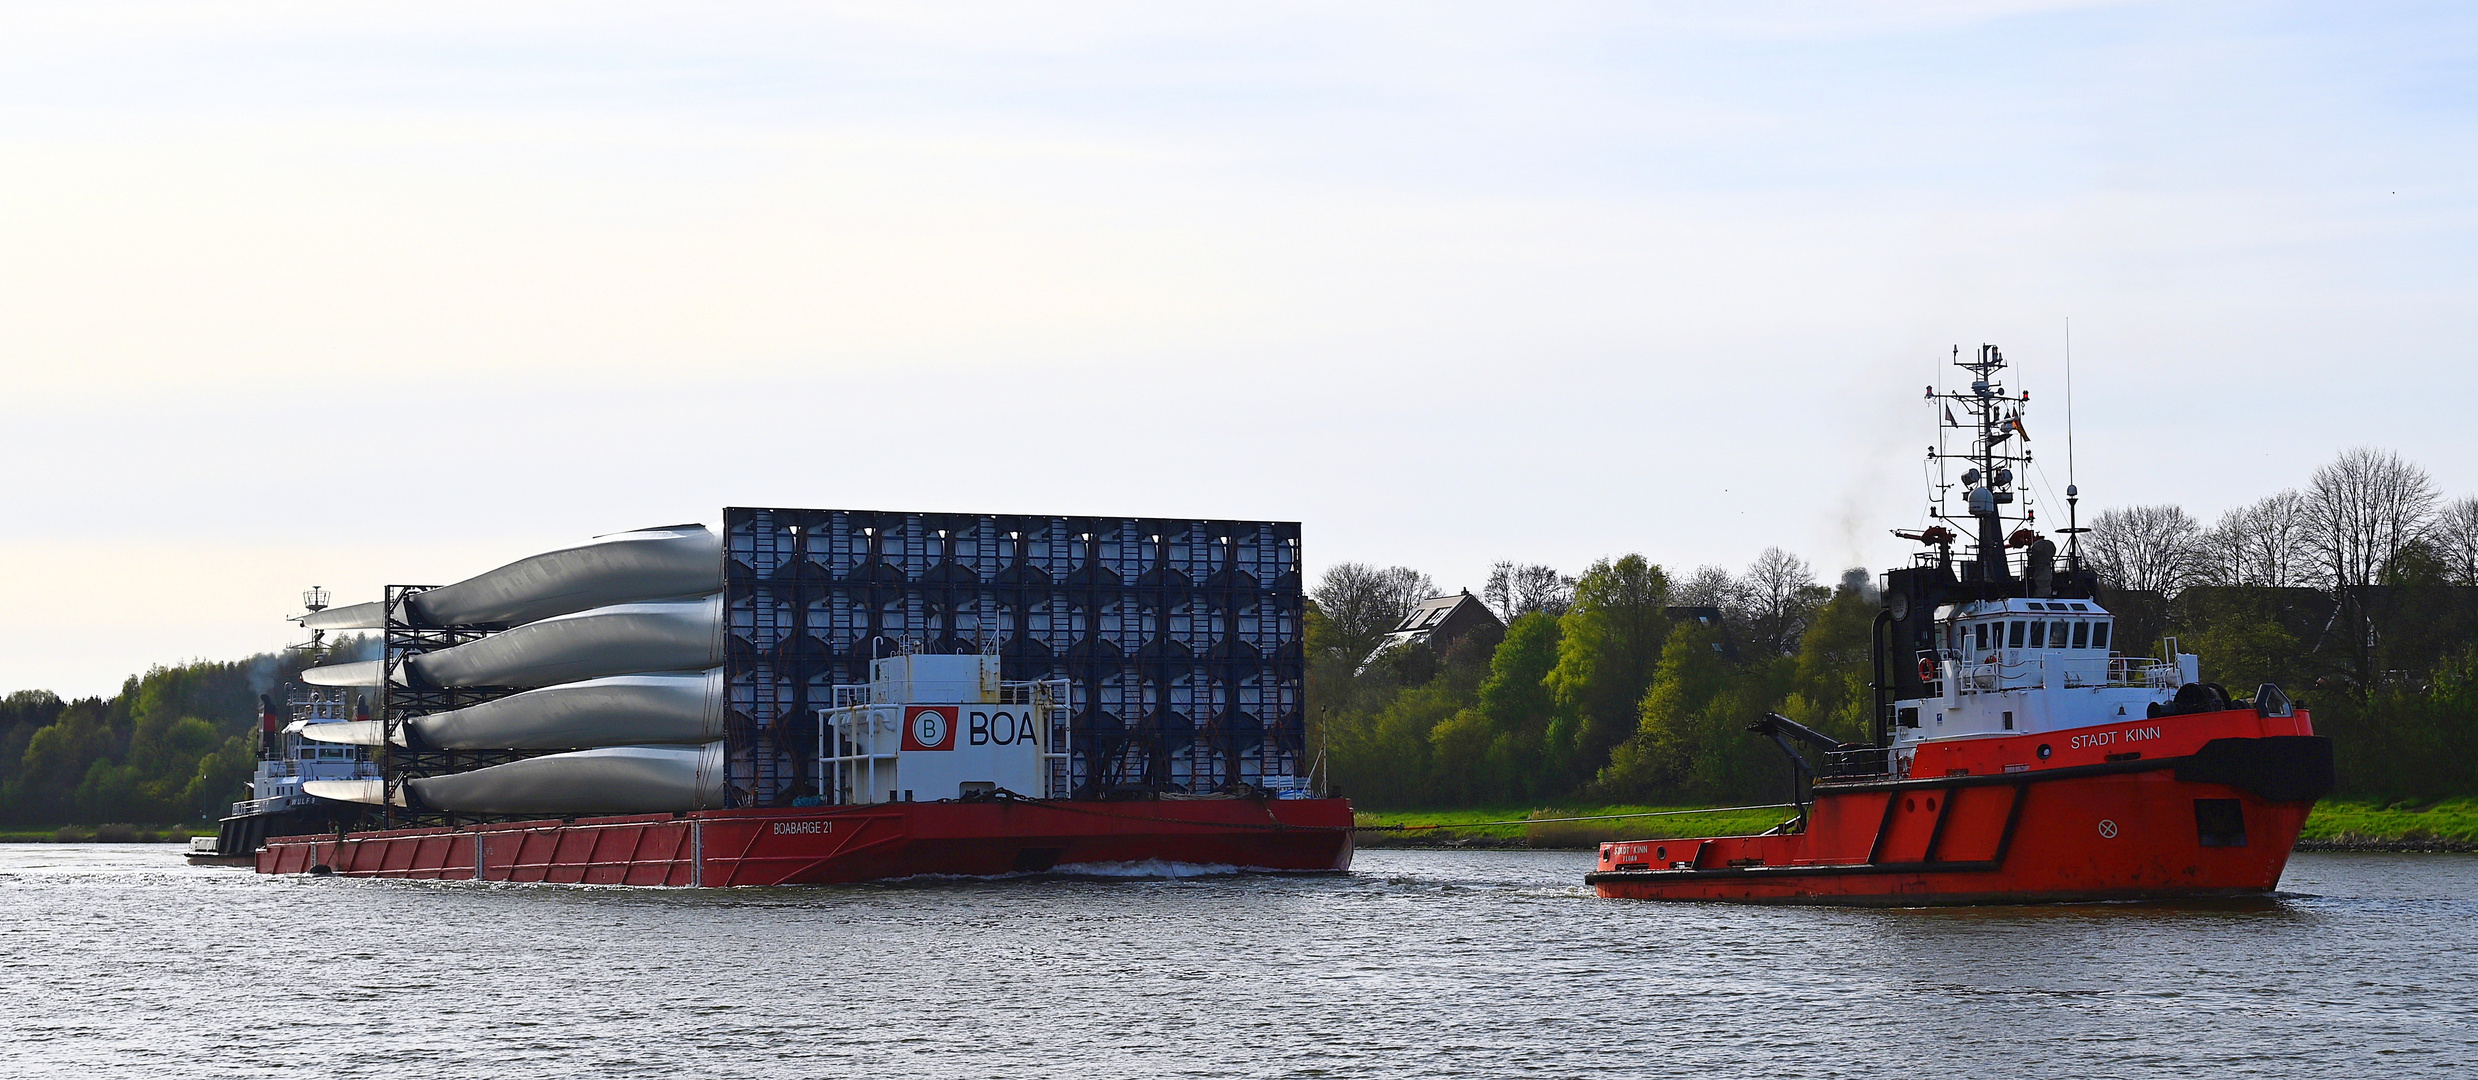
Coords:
119,960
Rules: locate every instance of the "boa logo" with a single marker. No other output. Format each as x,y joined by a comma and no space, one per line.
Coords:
929,727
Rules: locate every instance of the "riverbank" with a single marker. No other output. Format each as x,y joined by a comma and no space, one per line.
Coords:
103,834
2335,825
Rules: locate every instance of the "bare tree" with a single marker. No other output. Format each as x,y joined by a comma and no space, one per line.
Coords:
2454,538
2264,543
1518,589
1362,603
1710,586
1780,595
2148,548
2362,509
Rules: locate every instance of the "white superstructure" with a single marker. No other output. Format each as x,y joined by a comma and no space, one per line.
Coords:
928,727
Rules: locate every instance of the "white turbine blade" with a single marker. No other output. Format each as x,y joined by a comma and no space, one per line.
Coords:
647,564
369,616
358,673
623,639
617,710
612,780
348,732
373,792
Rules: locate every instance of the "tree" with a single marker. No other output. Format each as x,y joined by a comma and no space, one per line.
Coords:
1830,688
1361,603
2264,543
2145,548
2362,508
1517,589
1606,657
2454,538
1493,750
1780,594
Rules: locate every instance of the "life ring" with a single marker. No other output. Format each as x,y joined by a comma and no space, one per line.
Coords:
1927,669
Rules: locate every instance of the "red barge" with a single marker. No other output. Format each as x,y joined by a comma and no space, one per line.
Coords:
817,696
2018,758
825,845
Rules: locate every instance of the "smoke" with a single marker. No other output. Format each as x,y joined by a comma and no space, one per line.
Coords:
1859,580
262,673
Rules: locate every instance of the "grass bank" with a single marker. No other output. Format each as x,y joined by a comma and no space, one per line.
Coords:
2366,825
103,834
2336,825
1464,828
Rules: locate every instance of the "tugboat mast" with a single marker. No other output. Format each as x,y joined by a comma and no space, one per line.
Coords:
1989,460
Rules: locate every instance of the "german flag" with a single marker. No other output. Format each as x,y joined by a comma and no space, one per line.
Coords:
2016,421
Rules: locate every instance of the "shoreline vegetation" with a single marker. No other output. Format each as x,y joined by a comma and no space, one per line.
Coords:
2335,825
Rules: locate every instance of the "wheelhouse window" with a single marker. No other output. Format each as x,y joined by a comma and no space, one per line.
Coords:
2016,635
2039,634
2082,634
1982,646
2099,634
2056,634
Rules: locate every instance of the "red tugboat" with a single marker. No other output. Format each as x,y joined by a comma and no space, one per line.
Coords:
2018,758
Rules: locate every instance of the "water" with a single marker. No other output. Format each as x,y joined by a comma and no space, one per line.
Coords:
1430,964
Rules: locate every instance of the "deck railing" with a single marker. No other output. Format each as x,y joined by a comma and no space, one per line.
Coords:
2010,670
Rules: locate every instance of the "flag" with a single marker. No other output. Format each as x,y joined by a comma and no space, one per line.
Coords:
1949,421
2017,427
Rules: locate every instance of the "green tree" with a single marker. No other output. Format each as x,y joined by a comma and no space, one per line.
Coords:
1609,647
1494,750
1831,689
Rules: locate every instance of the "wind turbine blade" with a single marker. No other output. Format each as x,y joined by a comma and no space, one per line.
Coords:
613,780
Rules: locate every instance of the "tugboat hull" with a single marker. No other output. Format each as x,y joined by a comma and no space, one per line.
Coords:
2219,820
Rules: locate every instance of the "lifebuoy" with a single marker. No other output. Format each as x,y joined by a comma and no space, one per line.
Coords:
1927,669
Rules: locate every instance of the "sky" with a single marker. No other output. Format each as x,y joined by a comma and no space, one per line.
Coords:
345,295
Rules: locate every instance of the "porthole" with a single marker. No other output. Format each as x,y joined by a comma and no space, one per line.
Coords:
2045,750
1910,804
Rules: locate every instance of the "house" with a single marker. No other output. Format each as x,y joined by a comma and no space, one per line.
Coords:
1709,617
1439,621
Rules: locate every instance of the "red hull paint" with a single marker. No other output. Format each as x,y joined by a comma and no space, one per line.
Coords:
819,845
2095,821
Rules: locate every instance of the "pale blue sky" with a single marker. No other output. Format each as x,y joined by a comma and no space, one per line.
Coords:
1448,283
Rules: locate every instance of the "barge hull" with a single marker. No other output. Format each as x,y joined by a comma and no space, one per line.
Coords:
824,845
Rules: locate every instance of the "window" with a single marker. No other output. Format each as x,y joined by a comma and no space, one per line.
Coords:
2082,634
2099,634
1983,637
2017,634
2056,634
2219,823
2039,634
